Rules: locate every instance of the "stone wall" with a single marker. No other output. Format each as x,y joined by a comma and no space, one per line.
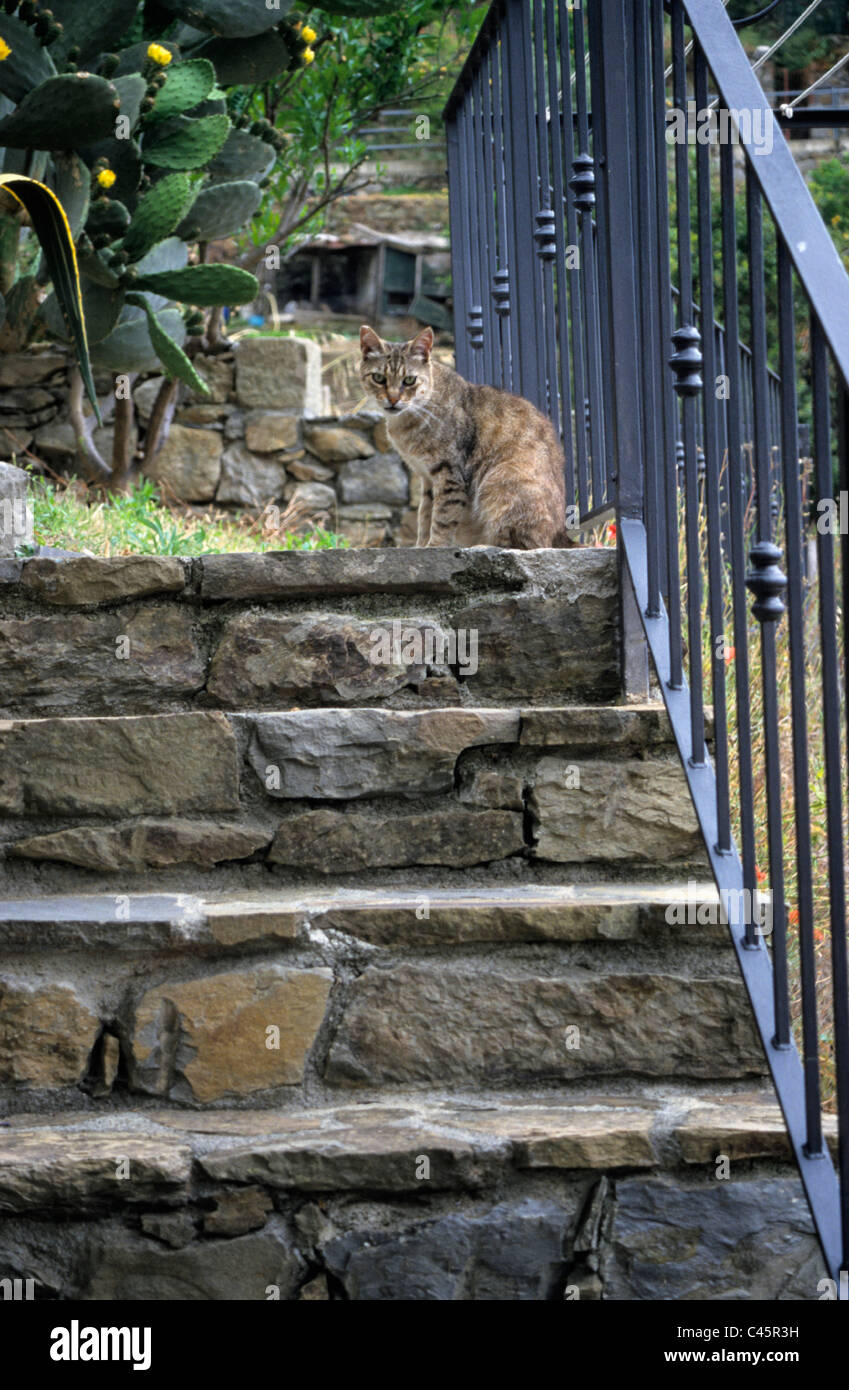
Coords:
262,438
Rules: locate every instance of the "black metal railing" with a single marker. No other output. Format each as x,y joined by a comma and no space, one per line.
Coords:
594,234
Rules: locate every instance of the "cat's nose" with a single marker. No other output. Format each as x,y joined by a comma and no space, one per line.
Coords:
393,397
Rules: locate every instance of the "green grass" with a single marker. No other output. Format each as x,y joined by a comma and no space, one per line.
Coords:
73,517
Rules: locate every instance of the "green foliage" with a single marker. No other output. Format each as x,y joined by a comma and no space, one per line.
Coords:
829,185
138,523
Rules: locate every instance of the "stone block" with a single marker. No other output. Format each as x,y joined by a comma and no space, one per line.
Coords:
249,481
46,1035
286,371
103,660
342,754
87,579
49,1167
335,444
15,515
271,659
189,463
339,842
268,431
629,810
424,1023
238,1033
145,844
136,765
382,478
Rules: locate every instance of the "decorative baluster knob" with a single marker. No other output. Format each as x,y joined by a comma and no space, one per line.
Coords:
474,326
679,461
582,182
686,360
766,582
544,235
501,292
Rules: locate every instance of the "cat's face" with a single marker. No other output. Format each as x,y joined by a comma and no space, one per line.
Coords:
397,375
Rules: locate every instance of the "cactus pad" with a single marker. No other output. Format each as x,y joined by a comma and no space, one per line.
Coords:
186,85
157,214
246,62
232,18
128,347
27,65
131,90
62,114
92,26
204,285
170,354
220,210
193,144
101,307
242,156
124,158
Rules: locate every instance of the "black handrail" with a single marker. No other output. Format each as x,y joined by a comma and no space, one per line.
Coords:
589,251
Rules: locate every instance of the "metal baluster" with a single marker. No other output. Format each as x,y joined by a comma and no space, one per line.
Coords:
644,165
474,313
544,232
686,363
500,287
458,255
831,688
796,633
736,504
710,430
583,184
576,317
493,327
668,415
767,582
480,249
563,385
526,313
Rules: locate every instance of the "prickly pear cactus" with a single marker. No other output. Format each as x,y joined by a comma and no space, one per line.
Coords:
135,139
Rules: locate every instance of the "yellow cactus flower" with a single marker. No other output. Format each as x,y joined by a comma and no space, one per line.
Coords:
308,56
308,34
5,50
159,54
106,178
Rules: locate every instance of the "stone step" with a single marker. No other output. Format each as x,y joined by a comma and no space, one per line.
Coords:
340,792
471,1198
288,996
656,913
397,628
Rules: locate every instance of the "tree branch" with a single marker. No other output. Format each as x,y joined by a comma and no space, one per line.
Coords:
94,468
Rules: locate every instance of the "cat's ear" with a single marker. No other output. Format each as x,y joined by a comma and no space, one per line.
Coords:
370,343
421,345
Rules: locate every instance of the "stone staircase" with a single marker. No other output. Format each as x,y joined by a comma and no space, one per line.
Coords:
355,944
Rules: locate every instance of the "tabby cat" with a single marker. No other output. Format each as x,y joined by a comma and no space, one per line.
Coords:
490,462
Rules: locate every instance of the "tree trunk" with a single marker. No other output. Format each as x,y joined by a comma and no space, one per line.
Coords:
160,419
122,448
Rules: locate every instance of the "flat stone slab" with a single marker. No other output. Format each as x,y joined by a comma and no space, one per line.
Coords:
101,579
742,1128
382,916
102,919
403,570
49,1167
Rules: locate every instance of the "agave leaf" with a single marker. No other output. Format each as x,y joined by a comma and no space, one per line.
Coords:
54,234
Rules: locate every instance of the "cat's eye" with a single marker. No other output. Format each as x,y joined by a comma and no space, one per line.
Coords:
410,380
379,378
